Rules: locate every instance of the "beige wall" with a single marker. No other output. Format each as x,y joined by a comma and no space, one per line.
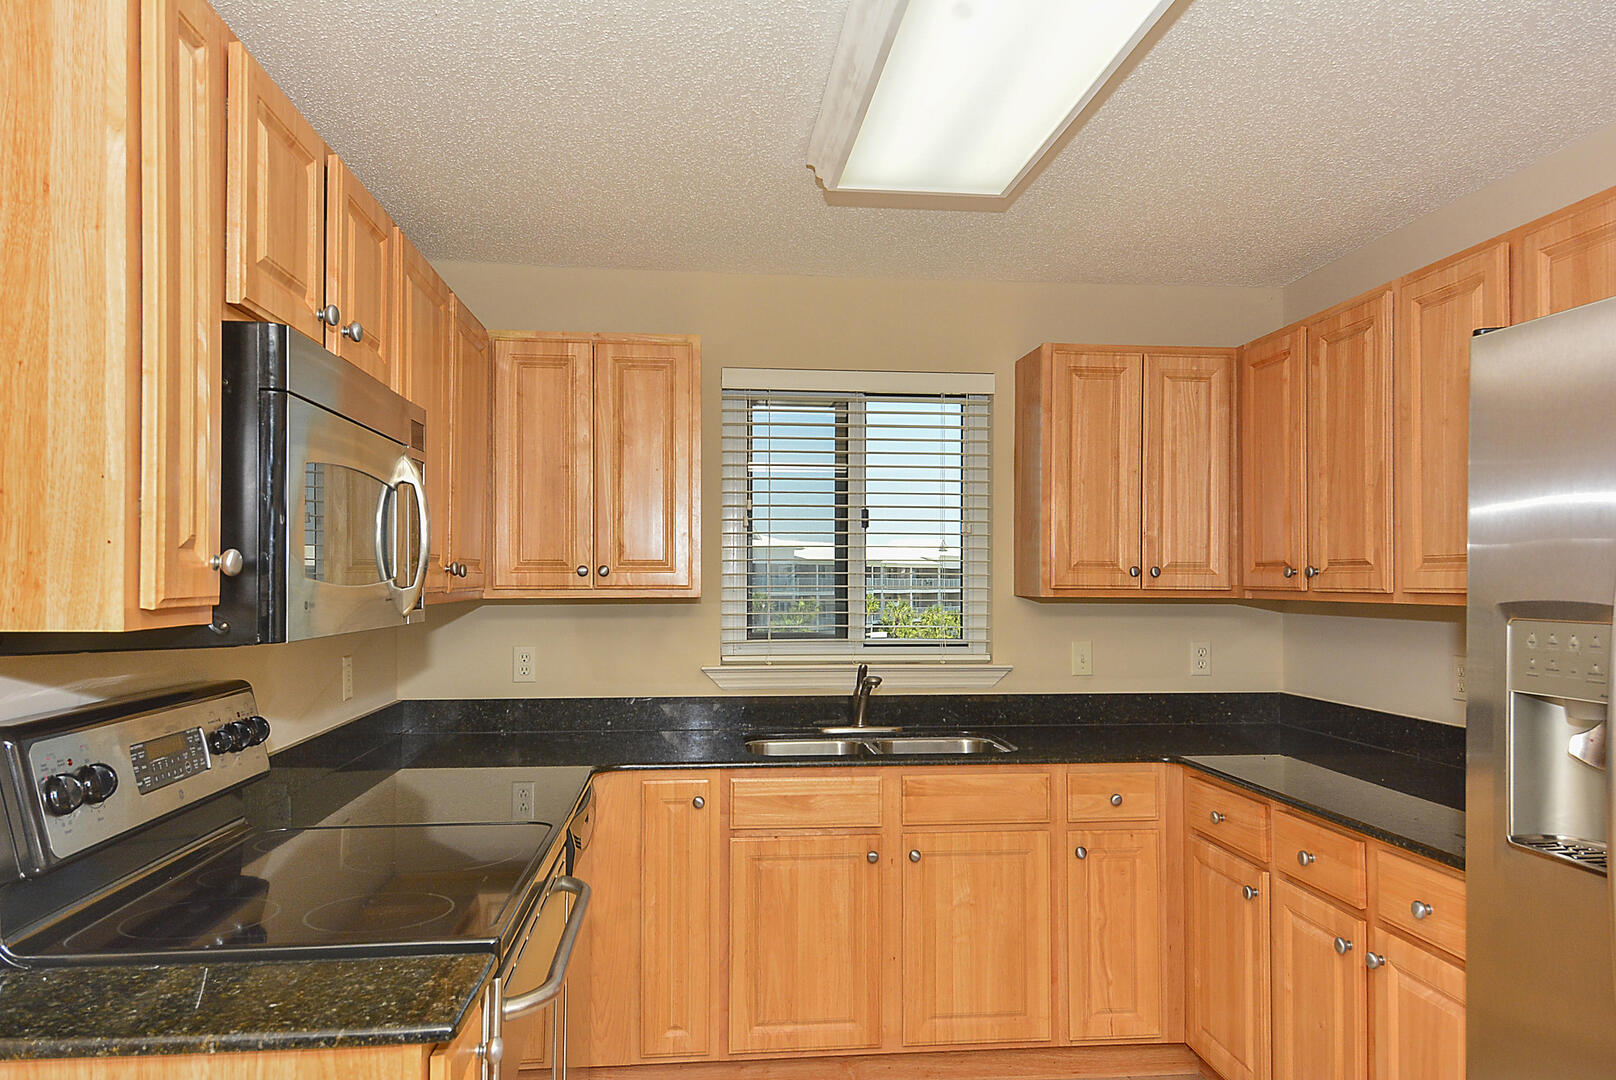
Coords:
1395,659
764,321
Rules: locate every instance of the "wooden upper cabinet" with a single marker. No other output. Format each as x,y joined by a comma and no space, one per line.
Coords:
1115,930
976,938
1437,308
647,464
470,406
678,897
359,269
1227,970
1189,519
1349,447
544,471
183,178
1321,1007
806,928
1418,1004
275,239
1567,259
422,336
1273,461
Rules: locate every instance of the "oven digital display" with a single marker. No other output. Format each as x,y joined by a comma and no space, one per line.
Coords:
168,759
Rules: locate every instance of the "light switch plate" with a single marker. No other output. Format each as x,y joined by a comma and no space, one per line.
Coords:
1082,658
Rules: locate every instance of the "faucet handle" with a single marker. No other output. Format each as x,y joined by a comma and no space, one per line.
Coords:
858,680
871,681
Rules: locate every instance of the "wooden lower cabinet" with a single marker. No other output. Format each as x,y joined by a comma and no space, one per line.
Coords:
977,949
1417,1002
1321,1010
1227,1001
1114,933
806,920
679,849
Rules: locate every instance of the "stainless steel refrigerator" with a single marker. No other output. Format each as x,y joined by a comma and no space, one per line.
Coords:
1541,977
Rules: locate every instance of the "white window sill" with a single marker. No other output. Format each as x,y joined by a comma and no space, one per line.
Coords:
839,677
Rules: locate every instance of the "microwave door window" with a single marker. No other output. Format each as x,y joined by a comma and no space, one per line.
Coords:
346,534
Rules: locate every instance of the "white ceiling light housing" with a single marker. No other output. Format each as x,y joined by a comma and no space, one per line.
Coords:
963,97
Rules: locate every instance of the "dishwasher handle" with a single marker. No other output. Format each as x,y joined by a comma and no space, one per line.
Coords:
550,988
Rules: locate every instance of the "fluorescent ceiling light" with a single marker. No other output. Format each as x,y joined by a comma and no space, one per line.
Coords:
962,97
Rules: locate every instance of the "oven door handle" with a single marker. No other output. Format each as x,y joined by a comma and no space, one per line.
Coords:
550,988
407,472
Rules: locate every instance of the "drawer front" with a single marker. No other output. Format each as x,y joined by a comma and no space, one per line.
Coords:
825,801
976,798
1401,883
1323,858
1114,793
1236,821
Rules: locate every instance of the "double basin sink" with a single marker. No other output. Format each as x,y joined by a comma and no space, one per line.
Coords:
877,744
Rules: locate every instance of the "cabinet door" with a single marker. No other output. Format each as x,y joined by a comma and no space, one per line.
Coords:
976,938
1188,466
275,232
1095,463
805,955
1273,461
1568,258
470,405
1418,1004
1321,1005
1436,311
359,277
1349,448
647,465
543,465
422,336
183,58
678,853
1114,929
1226,903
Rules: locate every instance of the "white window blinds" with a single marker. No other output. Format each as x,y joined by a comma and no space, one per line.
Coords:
855,525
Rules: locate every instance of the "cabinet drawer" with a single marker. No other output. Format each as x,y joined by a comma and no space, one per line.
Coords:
825,801
1323,858
1401,883
1236,821
976,798
1113,793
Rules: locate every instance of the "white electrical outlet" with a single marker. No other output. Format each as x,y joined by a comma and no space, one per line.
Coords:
1459,679
1200,658
522,800
347,678
522,663
1082,658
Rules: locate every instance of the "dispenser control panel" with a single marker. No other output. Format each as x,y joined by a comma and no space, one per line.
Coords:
1560,659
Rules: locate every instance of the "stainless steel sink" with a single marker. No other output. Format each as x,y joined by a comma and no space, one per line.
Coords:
803,746
940,744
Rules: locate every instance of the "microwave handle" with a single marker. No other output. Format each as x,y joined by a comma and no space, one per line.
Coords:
384,539
407,472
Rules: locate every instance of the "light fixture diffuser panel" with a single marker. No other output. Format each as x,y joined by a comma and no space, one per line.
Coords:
973,92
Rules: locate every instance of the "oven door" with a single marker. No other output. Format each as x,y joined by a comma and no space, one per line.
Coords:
358,526
528,1001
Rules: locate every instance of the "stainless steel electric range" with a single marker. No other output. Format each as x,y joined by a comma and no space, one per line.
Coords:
132,841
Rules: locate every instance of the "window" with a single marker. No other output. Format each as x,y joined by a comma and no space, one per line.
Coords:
855,520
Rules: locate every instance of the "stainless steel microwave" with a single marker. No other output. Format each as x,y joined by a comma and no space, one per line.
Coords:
322,497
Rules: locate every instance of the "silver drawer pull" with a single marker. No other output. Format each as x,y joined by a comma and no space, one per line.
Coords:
1116,800
1306,858
550,988
1218,819
1342,946
1421,909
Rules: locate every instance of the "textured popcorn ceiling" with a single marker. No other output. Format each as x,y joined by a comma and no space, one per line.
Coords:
1257,141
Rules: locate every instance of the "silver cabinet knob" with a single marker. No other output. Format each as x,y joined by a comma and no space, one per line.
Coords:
1248,892
228,562
698,802
1373,960
1218,819
354,332
1312,571
449,568
329,315
1290,571
1133,571
1421,909
873,857
914,856
462,569
583,571
1342,946
1116,799
1306,858
1081,852
1155,571
603,570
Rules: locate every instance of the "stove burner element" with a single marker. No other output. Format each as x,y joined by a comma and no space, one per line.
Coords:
371,912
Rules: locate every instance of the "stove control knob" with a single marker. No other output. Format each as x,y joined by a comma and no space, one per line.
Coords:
99,782
242,732
63,794
223,740
260,730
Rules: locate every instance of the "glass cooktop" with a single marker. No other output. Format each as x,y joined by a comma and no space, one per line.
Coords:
325,891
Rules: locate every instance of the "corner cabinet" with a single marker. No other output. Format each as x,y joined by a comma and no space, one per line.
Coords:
1124,472
597,466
